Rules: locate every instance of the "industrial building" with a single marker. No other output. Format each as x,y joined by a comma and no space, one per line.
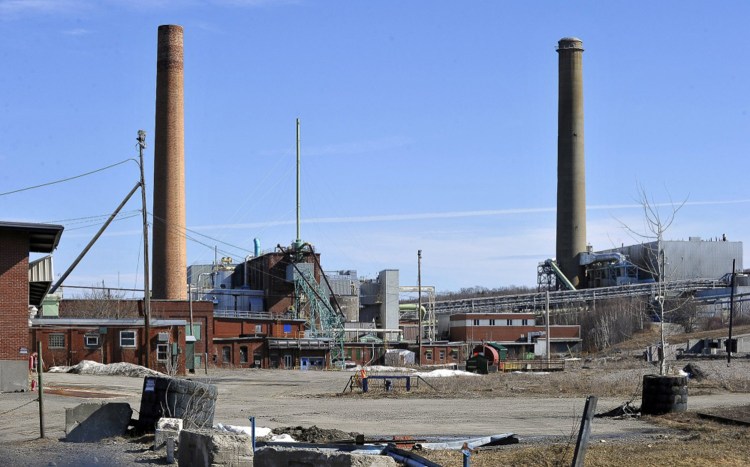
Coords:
23,285
280,309
517,332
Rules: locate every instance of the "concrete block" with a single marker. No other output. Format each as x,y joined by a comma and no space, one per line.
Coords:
14,375
276,456
166,428
210,448
94,421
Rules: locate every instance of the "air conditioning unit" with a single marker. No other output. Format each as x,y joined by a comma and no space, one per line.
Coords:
163,337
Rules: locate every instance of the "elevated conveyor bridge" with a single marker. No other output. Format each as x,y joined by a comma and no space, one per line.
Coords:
567,299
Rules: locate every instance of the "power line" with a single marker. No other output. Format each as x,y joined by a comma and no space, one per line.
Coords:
66,179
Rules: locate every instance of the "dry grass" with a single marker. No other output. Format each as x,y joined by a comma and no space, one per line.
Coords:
605,377
697,442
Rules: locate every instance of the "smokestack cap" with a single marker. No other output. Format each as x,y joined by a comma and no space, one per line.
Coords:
170,49
570,43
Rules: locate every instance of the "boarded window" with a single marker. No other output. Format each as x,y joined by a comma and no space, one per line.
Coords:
226,354
56,341
91,340
243,354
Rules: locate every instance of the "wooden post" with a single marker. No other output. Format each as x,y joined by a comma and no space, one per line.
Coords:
584,432
39,371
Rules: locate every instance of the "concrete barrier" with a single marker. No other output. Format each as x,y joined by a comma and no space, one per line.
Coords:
277,456
210,448
167,428
95,421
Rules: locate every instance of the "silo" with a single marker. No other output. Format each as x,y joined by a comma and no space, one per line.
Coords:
571,174
169,277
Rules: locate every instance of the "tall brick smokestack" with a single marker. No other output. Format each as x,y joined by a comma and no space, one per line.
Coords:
169,276
571,174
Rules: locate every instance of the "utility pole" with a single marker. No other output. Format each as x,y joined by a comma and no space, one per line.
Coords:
546,307
146,291
40,386
731,312
419,301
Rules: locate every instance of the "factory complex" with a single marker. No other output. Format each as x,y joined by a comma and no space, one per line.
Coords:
281,309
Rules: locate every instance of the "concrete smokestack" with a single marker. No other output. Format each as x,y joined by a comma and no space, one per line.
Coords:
571,174
169,278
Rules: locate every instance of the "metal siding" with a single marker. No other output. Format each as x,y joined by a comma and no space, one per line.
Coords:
389,289
41,270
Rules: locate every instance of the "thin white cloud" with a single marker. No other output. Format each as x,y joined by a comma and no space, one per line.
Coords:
346,149
254,3
77,32
13,9
442,215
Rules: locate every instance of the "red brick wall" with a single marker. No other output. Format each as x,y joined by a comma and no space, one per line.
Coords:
203,312
235,354
74,348
14,295
509,333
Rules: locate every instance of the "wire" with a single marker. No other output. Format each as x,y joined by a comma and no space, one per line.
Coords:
24,405
67,179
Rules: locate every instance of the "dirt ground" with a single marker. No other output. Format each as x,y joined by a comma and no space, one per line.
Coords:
542,409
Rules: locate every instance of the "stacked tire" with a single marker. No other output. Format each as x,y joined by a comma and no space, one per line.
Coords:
664,394
192,401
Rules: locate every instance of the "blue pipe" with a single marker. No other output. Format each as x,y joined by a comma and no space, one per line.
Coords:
252,432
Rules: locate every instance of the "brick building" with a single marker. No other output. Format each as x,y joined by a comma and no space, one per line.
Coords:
518,332
68,341
23,284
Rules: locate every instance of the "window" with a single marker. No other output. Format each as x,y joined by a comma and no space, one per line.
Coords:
162,352
258,328
243,354
127,339
57,341
454,354
525,322
442,355
196,331
492,322
226,354
509,322
476,322
428,354
91,340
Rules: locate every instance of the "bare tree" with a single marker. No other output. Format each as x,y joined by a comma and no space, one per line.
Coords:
656,221
100,302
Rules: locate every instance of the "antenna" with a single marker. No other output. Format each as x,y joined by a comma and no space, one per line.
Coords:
298,241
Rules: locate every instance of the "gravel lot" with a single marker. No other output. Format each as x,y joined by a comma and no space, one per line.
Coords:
538,408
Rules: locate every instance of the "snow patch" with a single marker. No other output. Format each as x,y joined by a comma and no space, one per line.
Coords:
89,367
444,373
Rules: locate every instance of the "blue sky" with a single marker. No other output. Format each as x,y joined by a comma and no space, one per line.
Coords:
426,125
